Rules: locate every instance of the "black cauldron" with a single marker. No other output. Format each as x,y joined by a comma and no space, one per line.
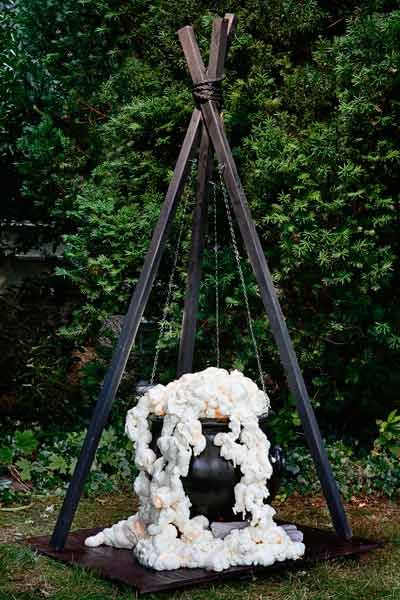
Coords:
211,479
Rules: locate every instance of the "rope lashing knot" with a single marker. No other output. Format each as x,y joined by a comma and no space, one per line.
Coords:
208,90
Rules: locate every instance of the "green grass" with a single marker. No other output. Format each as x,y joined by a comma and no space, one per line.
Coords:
25,575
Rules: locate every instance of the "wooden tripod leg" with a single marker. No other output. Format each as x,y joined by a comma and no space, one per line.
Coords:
127,337
269,297
221,33
277,321
189,320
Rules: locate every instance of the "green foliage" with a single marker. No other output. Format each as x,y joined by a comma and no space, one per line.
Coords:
23,443
329,213
37,364
94,108
46,461
48,163
389,434
10,83
357,471
356,474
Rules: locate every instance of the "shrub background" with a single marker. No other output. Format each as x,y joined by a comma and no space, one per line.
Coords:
95,101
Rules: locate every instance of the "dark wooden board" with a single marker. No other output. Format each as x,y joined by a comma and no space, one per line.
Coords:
121,565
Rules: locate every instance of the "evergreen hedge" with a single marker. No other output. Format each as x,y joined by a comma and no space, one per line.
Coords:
95,101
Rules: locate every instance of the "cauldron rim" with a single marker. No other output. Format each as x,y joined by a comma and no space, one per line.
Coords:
210,421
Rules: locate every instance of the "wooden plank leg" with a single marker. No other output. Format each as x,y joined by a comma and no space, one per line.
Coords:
189,320
127,336
221,33
268,293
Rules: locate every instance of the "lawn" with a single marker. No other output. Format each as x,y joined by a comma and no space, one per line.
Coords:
25,575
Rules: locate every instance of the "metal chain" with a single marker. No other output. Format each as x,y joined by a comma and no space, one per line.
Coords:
171,278
216,264
239,266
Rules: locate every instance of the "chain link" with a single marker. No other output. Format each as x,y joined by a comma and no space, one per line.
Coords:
216,265
171,277
241,275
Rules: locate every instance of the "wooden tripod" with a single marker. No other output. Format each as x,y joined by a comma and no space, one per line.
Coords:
206,133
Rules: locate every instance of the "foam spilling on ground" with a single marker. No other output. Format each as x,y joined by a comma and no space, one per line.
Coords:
162,533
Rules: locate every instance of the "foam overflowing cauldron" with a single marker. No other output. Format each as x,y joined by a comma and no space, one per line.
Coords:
211,479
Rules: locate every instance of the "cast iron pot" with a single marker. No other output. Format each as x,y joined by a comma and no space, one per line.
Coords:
211,479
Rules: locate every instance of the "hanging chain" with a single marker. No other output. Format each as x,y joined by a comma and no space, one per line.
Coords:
171,278
239,266
216,265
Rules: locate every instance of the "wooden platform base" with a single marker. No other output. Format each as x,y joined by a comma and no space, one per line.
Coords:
122,566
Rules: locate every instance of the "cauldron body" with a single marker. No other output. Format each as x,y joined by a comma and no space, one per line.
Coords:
211,479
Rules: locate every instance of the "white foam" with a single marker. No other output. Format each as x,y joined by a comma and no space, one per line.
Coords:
162,533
